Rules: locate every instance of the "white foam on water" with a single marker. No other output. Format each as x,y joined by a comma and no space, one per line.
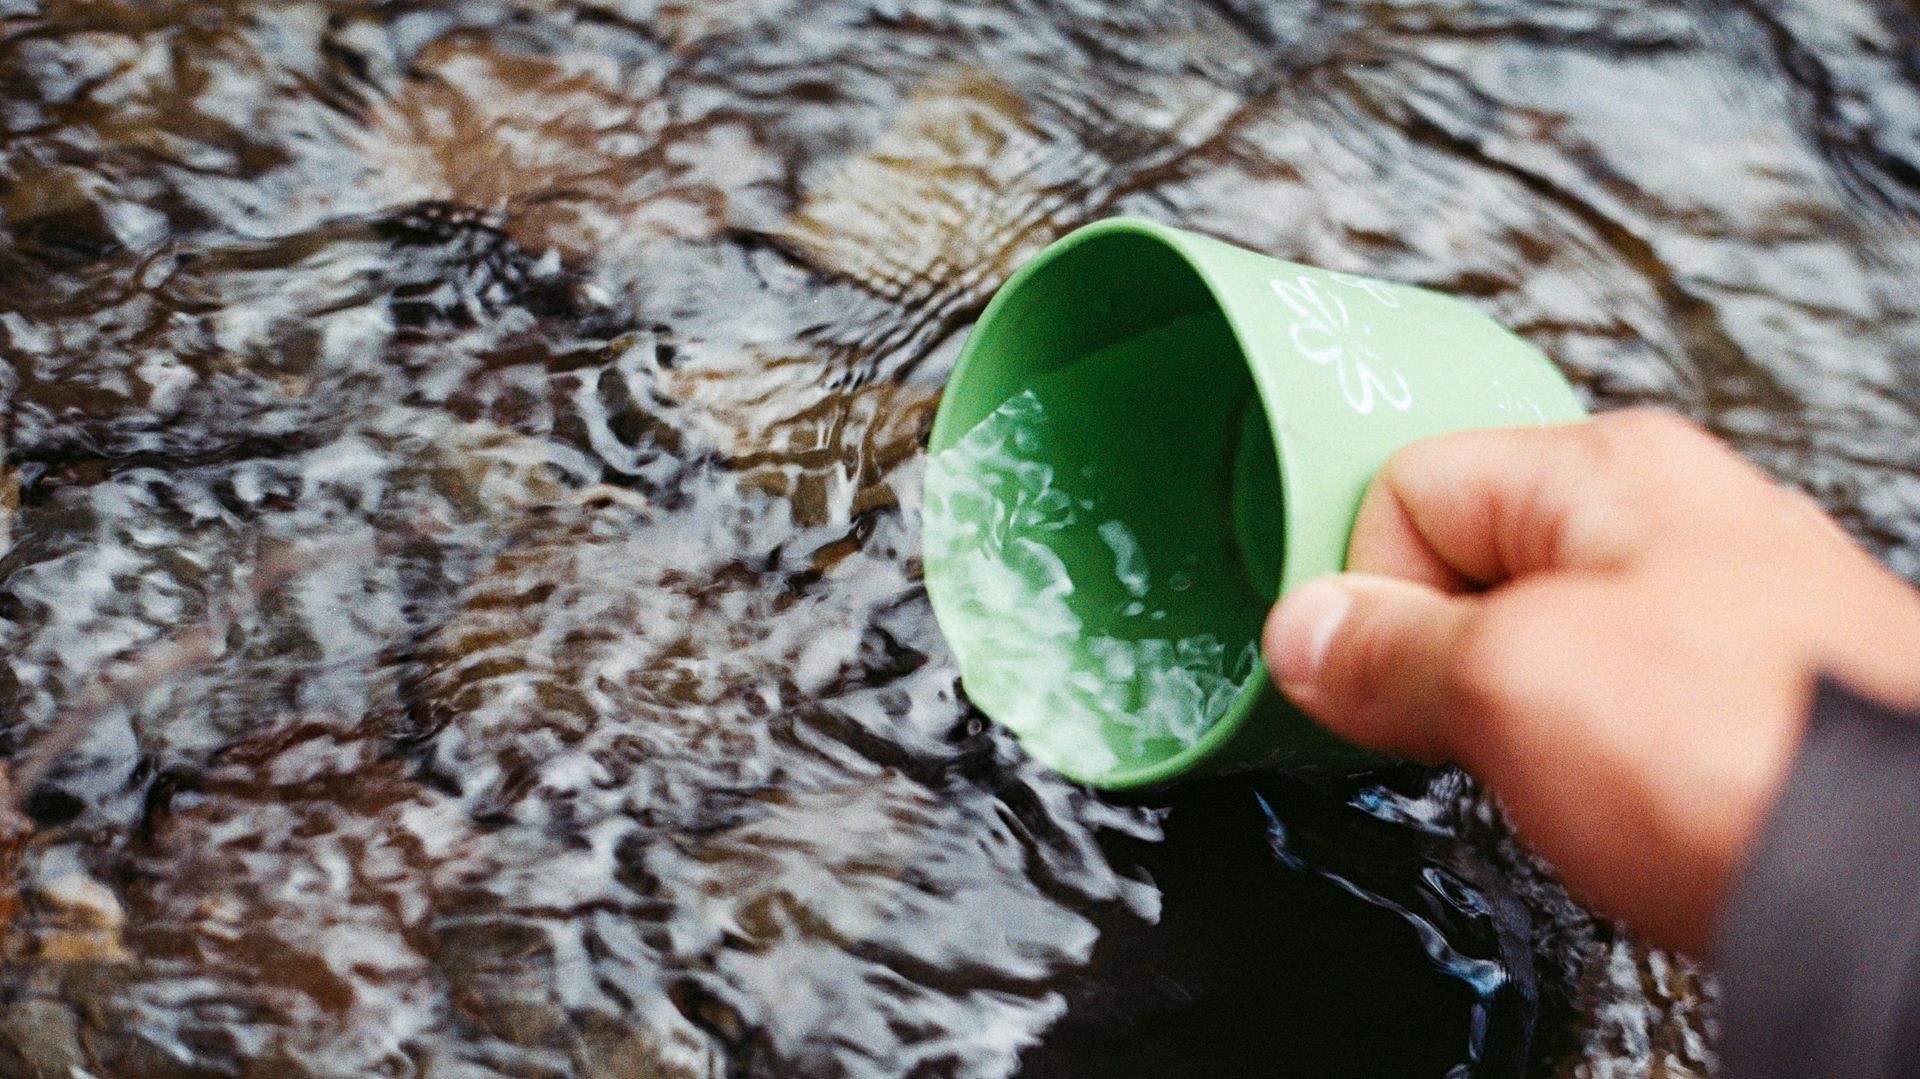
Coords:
1076,698
1129,563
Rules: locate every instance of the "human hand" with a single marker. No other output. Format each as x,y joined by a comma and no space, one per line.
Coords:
1617,626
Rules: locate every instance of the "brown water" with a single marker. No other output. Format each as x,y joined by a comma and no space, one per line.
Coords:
462,612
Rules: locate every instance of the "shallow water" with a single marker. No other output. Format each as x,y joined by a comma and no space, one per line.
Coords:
462,456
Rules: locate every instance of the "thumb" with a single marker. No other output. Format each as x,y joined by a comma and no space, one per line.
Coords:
1369,657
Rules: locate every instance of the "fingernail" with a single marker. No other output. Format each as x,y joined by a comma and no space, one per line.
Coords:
1303,628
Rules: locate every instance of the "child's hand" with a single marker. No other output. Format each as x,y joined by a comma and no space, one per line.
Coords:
1617,626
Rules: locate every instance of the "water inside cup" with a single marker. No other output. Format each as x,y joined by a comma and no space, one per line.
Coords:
1087,546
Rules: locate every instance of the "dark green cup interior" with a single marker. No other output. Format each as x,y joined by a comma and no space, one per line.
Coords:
1152,413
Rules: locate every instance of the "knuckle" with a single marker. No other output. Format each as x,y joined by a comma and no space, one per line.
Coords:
1648,466
1810,510
1802,502
1646,444
1650,425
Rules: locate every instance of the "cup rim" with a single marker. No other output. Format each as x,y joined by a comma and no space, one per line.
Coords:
1231,722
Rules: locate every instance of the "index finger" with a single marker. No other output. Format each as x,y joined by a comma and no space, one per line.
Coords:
1477,508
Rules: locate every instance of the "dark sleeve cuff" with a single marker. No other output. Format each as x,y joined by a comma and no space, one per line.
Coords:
1820,946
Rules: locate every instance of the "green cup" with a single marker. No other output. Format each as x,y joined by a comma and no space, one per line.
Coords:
1148,438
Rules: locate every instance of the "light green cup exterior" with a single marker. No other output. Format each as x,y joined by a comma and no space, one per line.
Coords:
1348,370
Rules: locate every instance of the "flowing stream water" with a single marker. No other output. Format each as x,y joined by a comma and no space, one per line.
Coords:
461,598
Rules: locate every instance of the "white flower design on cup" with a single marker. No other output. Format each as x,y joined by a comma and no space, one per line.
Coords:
1326,332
